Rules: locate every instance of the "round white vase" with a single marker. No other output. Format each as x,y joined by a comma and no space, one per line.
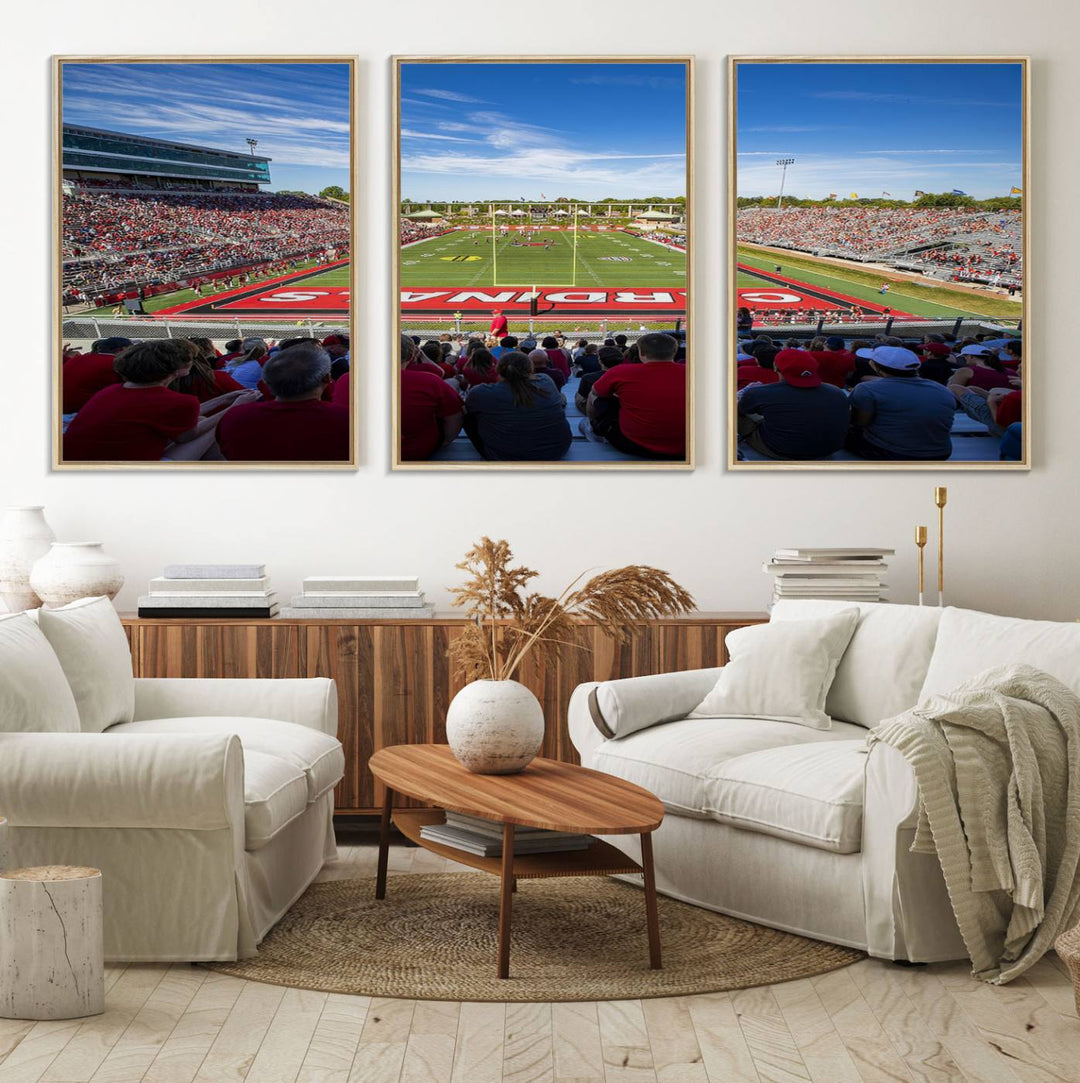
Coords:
25,537
74,570
495,727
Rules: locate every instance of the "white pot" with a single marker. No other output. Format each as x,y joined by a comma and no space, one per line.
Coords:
74,570
495,727
24,538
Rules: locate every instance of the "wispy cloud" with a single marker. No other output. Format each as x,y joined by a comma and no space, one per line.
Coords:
451,96
299,113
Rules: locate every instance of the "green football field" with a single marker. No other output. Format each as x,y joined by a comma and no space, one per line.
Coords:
603,260
932,301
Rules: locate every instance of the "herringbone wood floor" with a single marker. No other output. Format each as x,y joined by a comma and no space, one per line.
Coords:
872,1021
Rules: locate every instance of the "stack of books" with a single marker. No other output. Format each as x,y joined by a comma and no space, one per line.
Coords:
360,597
210,590
484,837
850,575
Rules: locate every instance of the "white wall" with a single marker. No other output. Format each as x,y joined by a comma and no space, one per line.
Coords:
1013,537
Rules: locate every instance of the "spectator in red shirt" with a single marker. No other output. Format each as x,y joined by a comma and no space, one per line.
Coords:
558,357
297,426
85,374
478,368
140,419
651,418
499,326
431,410
340,396
756,367
835,363
204,381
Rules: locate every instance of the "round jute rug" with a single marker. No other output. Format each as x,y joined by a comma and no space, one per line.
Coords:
434,938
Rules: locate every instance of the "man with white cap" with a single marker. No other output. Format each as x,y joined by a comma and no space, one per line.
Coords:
902,416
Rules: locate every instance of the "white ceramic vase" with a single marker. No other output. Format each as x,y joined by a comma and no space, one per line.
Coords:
495,727
24,538
74,570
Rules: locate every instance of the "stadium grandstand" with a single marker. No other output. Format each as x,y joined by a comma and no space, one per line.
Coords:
145,218
951,243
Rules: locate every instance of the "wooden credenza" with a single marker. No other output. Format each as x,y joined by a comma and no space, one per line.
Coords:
393,678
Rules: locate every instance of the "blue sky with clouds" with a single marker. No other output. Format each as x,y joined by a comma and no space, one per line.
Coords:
504,131
299,113
876,127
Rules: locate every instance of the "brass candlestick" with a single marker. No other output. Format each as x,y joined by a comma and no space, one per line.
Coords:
941,495
920,541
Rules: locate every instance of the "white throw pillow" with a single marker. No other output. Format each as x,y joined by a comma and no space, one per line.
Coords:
34,694
903,634
90,642
781,671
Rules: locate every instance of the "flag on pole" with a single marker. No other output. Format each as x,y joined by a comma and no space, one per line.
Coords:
832,195
542,196
854,195
1014,191
958,192
887,195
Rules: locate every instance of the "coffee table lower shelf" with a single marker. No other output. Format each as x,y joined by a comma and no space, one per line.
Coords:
600,859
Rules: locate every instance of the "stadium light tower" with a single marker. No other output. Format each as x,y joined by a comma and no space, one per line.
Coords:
783,163
252,144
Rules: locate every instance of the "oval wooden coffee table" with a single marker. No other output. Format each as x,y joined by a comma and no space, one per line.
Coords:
547,794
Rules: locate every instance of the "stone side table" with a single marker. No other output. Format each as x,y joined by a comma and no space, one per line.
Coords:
52,955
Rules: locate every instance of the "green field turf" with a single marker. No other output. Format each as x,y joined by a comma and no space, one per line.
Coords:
936,302
337,277
465,258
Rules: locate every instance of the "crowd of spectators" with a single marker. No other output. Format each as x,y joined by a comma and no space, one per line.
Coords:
116,240
184,400
409,231
509,395
886,399
977,244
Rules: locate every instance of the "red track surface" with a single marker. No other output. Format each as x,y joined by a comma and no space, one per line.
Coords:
642,301
275,298
777,291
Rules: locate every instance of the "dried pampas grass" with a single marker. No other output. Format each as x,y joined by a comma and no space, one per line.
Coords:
509,623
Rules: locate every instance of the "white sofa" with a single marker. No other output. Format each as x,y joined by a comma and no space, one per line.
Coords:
804,829
207,804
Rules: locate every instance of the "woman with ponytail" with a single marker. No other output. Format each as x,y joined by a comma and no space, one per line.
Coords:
522,417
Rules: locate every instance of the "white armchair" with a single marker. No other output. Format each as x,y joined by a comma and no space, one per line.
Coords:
207,804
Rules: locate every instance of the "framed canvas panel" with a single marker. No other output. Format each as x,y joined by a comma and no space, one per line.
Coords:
542,218
203,232
879,263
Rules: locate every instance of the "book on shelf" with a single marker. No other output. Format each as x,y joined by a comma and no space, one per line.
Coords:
311,612
352,584
215,571
482,845
494,829
258,599
861,569
796,582
187,612
208,586
832,554
402,599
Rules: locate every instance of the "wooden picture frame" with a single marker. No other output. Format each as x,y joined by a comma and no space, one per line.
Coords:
809,255
81,321
539,212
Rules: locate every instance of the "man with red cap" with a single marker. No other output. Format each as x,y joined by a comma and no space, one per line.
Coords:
798,418
499,326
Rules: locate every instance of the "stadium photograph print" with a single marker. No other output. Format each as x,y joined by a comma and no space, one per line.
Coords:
203,237
879,263
542,260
